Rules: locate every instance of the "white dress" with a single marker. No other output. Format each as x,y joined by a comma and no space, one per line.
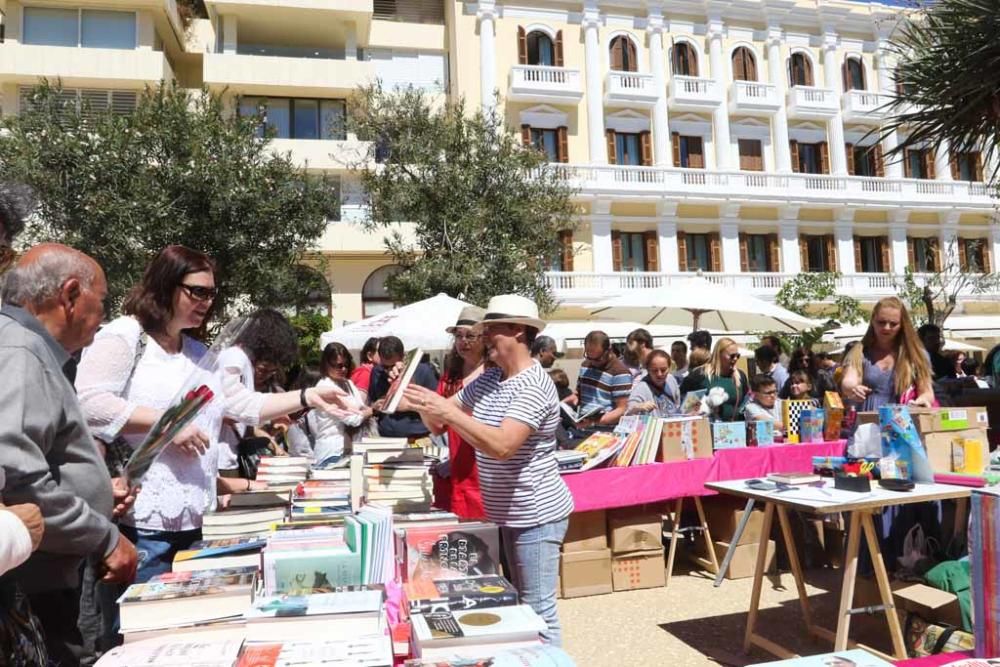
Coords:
179,487
332,434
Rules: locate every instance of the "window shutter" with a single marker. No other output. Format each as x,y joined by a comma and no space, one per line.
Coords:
851,169
744,254
526,135
929,163
986,268
774,252
610,135
824,157
652,251
793,68
879,160
858,264
559,49
675,140
751,67
907,169
696,153
616,54
831,253
646,148
808,69
911,254
715,251
956,174
562,136
937,259
804,252
616,250
978,166
682,251
566,239
793,148
522,46
739,66
628,50
845,76
693,59
963,255
883,248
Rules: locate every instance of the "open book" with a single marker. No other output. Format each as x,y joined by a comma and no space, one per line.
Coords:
395,394
582,414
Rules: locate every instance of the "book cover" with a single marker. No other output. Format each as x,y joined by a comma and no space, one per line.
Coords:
479,625
200,586
220,574
598,448
459,594
577,416
395,394
243,516
177,653
729,435
260,655
222,547
295,572
358,601
443,552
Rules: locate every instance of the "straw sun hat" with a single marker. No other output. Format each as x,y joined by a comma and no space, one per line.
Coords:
513,309
470,316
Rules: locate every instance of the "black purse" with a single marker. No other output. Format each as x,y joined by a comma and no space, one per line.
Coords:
248,455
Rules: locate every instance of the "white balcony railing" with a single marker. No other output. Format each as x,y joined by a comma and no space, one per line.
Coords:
539,83
752,185
754,98
863,105
811,102
693,93
630,88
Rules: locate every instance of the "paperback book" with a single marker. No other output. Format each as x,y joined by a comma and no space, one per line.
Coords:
424,596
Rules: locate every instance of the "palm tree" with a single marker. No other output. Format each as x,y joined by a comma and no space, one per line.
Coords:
948,78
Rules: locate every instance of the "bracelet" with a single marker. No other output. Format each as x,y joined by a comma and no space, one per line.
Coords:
302,399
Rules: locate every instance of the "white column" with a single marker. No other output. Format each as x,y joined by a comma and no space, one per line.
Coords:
487,53
595,100
351,41
229,37
893,163
729,231
779,122
666,233
600,229
994,248
720,115
898,247
831,72
843,233
788,232
661,127
948,236
942,161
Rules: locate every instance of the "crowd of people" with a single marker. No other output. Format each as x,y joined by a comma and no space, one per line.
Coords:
83,391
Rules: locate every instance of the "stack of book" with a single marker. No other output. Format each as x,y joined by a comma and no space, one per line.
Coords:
282,470
475,634
321,499
247,522
598,448
570,460
365,651
447,550
640,440
351,612
219,554
395,475
370,531
314,560
423,596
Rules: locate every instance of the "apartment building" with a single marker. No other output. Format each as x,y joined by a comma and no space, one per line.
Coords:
736,139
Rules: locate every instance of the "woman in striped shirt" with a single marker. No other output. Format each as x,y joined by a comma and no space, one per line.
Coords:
509,415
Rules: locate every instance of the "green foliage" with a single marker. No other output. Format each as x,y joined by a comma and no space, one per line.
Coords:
931,298
180,169
807,290
949,76
487,211
309,326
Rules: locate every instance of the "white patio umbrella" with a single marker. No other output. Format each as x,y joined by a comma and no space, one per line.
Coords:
703,305
421,324
562,331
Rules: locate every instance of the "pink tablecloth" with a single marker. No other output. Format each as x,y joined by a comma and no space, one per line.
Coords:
935,660
607,488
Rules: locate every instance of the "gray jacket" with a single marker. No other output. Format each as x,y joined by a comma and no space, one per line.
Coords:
49,456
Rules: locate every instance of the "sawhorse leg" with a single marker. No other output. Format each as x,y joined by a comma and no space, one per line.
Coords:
744,520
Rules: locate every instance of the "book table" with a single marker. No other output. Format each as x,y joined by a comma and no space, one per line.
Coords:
860,507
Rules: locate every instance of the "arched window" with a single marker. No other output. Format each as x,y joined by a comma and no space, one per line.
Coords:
541,50
375,297
854,74
744,65
685,61
623,56
800,71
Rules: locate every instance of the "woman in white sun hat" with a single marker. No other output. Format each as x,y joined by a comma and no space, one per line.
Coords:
509,415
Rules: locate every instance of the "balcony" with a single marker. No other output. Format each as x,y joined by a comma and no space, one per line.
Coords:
754,99
630,89
538,83
691,93
585,289
323,154
810,102
83,67
861,106
705,186
283,75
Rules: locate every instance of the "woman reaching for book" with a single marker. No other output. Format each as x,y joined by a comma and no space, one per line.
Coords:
509,415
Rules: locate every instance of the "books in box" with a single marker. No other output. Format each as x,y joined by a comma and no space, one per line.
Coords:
489,625
186,597
450,551
459,594
348,613
221,553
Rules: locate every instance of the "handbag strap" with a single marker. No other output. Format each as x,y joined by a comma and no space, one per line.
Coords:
140,350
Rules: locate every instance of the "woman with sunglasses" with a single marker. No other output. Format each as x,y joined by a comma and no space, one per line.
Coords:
333,432
821,379
721,371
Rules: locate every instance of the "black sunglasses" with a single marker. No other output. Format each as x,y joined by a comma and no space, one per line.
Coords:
200,293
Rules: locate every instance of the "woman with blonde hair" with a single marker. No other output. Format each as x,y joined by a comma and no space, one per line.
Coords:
890,365
721,371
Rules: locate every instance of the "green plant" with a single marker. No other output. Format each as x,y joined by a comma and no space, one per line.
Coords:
309,327
810,294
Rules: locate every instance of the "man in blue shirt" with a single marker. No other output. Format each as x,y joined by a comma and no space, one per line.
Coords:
604,381
397,424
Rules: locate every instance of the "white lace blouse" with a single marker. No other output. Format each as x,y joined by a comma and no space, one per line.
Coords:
178,488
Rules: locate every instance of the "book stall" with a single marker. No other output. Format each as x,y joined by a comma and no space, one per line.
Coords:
341,566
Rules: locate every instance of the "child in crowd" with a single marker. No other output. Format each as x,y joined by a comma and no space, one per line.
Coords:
764,403
801,386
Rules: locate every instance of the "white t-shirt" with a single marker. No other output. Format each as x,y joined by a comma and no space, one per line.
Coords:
526,489
235,372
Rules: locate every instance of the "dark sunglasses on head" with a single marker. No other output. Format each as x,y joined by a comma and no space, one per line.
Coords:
200,293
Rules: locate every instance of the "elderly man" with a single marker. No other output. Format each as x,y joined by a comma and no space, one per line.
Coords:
545,351
46,451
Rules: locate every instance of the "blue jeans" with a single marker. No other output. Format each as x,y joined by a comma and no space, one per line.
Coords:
156,548
533,557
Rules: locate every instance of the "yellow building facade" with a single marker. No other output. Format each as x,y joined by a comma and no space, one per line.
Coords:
735,139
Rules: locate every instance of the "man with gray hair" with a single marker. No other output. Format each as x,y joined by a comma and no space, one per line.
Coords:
53,305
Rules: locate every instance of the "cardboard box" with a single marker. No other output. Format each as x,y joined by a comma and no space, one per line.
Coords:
634,530
723,518
585,573
744,558
940,447
939,420
729,435
641,569
588,531
686,438
931,604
